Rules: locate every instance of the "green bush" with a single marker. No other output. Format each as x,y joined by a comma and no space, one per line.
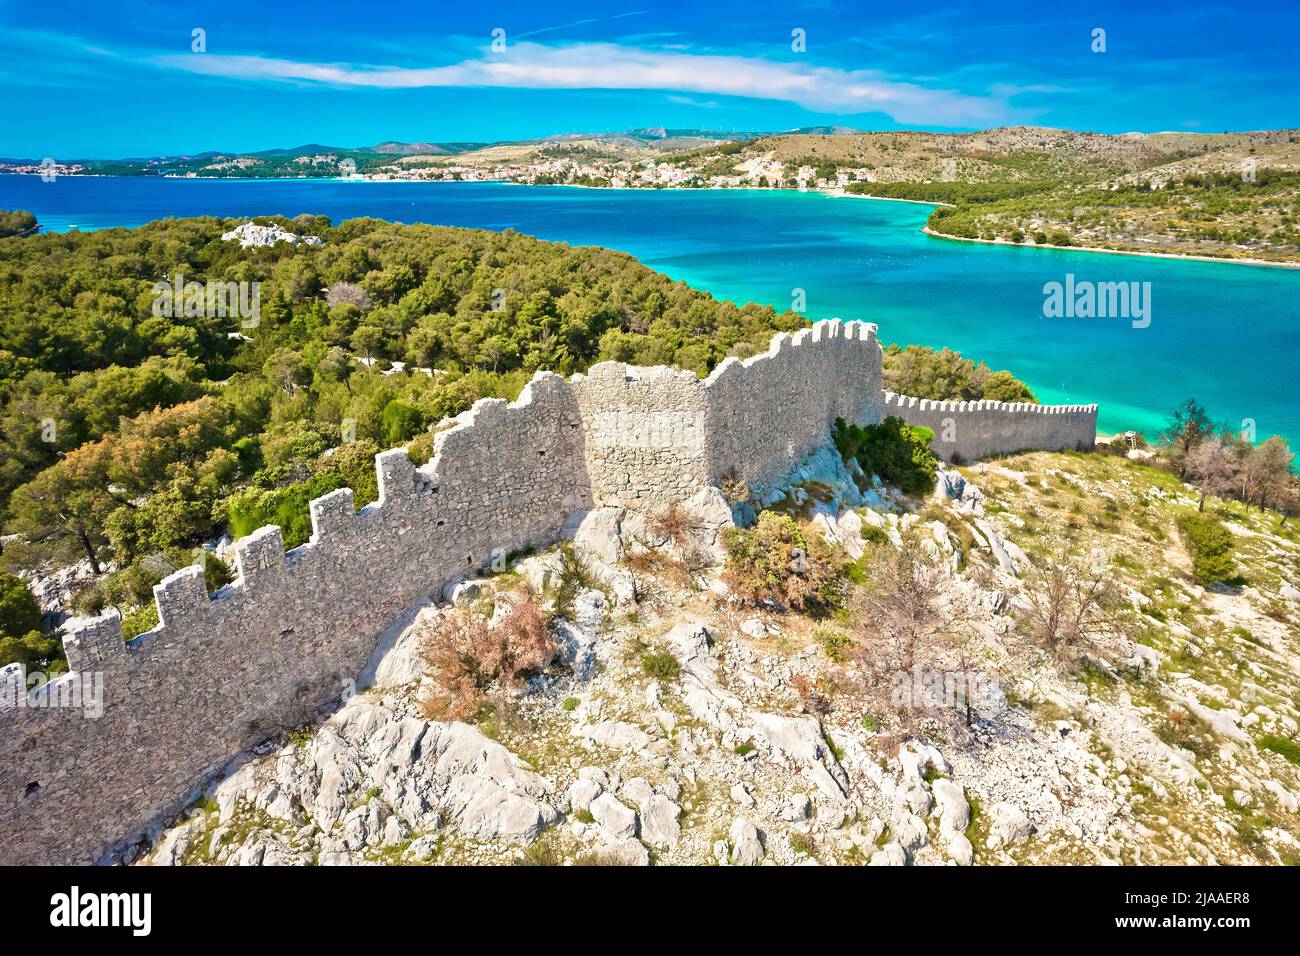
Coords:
1210,544
143,618
16,222
945,375
33,650
895,451
216,572
836,643
401,422
19,612
354,463
286,507
574,575
1283,746
776,561
661,665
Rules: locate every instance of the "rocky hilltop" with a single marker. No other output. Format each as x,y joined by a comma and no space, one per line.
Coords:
680,721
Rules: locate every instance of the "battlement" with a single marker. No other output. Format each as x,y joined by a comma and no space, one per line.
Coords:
223,672
95,643
964,431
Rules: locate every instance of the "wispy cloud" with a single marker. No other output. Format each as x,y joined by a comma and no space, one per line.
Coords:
615,66
691,101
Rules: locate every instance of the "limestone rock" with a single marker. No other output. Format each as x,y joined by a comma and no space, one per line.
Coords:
660,821
1009,825
616,820
462,592
960,849
599,532
954,811
746,847
582,793
795,809
624,853
891,854
616,735
252,235
948,484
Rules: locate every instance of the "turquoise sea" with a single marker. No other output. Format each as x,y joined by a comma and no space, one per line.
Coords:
1228,335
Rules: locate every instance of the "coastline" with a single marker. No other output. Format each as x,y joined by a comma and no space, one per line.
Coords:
831,192
848,195
1113,252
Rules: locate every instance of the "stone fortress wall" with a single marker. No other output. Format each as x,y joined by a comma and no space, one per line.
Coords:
965,431
222,673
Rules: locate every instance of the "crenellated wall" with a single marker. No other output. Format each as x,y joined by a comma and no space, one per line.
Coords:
222,673
965,431
767,411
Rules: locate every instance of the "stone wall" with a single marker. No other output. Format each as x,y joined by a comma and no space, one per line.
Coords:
645,433
224,672
764,413
965,431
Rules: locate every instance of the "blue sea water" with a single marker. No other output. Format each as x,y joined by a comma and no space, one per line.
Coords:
1228,335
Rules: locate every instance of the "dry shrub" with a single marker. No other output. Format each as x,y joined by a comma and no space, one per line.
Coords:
905,622
815,699
466,655
672,525
735,488
670,543
777,561
1073,607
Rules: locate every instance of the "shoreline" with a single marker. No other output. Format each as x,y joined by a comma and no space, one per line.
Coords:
934,234
842,194
831,192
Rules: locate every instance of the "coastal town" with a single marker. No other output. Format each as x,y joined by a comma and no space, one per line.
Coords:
758,172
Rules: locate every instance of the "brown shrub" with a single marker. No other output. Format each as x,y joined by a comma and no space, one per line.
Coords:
673,525
1073,607
815,700
735,488
466,654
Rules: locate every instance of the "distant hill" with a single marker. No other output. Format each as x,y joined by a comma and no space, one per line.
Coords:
311,149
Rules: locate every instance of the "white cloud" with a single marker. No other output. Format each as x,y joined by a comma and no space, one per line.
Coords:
613,66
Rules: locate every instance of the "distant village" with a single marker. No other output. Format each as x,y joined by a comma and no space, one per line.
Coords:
639,173
758,172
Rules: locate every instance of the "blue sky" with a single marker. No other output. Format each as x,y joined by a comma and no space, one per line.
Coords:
120,79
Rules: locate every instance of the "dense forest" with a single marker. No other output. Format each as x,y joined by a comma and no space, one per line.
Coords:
131,435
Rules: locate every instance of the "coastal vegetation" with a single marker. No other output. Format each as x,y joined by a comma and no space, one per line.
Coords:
16,222
1222,195
129,438
132,441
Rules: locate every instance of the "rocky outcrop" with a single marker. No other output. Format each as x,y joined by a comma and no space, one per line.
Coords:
251,235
